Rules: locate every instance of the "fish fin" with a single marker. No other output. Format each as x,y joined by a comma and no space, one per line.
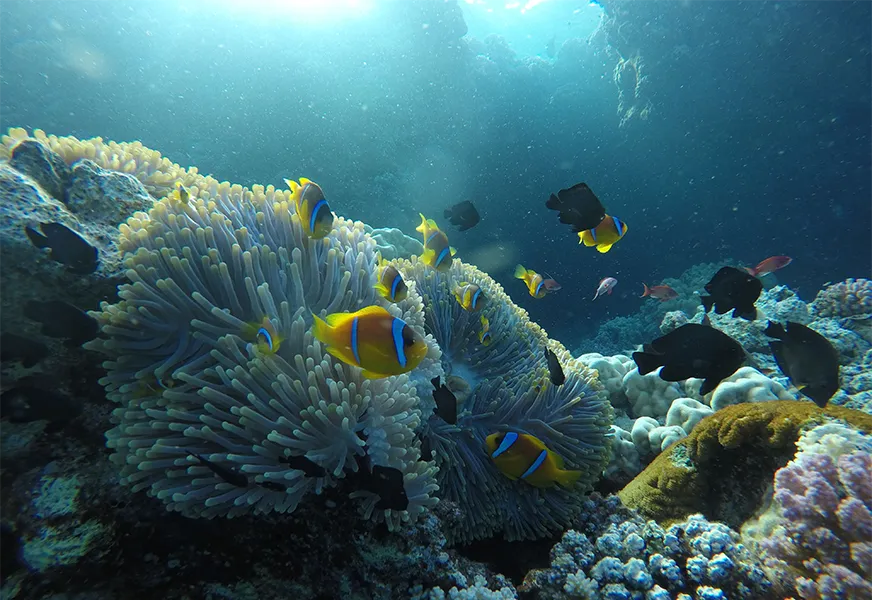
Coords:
707,302
520,272
36,238
752,272
373,309
566,478
748,315
586,239
603,248
429,256
304,181
647,291
341,355
709,385
675,373
372,375
646,362
453,250
381,289
779,355
423,223
775,330
321,329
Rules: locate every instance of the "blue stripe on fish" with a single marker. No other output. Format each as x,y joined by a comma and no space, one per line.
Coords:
432,235
618,225
445,252
354,340
509,439
475,297
593,233
539,287
269,342
314,217
397,331
394,287
485,336
536,464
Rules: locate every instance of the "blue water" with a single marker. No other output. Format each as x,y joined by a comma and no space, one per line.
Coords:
757,140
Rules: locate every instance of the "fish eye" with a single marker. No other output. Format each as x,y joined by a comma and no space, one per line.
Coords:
409,337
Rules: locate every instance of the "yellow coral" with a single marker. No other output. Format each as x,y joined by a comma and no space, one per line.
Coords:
720,454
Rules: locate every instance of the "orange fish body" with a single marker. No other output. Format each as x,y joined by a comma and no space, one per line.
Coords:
312,207
661,292
604,235
372,339
437,253
535,282
390,283
523,456
469,296
773,263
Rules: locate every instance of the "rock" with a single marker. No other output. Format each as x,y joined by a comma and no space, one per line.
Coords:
43,166
105,196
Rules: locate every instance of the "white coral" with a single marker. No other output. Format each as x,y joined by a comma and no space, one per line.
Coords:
747,385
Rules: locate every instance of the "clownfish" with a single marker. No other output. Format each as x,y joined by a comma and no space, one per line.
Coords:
390,283
312,207
437,253
264,336
484,336
604,235
180,195
535,282
372,339
523,456
469,296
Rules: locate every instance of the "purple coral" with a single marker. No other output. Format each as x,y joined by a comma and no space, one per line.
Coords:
850,298
825,539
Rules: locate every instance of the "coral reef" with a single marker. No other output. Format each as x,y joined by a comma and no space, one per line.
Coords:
851,298
816,535
723,467
509,390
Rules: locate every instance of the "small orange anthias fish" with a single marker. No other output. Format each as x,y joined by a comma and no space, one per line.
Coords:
535,282
661,292
605,287
372,339
312,207
523,456
773,263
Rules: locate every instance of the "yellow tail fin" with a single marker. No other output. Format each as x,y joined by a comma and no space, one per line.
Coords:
520,271
567,478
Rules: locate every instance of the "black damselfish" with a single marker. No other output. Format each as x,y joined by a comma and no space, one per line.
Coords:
60,319
446,402
229,475
463,215
304,464
25,403
555,371
26,350
66,246
807,358
692,350
733,289
385,482
578,206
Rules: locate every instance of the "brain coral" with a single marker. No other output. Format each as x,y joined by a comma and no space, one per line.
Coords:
188,379
509,390
849,298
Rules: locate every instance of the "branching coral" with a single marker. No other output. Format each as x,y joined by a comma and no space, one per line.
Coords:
509,391
183,366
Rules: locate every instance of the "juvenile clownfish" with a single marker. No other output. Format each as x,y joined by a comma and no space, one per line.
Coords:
484,336
312,207
535,282
264,335
469,296
372,339
180,195
390,283
604,235
437,253
523,456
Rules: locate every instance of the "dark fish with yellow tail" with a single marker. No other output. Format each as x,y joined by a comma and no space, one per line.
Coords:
484,336
65,246
692,350
732,289
469,296
525,457
312,207
604,235
807,358
372,339
437,253
535,282
390,283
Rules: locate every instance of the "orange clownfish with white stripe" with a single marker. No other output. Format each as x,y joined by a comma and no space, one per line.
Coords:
437,253
372,339
312,207
524,456
605,235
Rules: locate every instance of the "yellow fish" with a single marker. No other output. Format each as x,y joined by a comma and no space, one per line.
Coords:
312,207
266,339
372,339
390,283
484,336
523,456
603,236
437,253
179,195
535,282
469,296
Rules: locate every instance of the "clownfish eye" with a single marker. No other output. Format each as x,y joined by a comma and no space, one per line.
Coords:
409,337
